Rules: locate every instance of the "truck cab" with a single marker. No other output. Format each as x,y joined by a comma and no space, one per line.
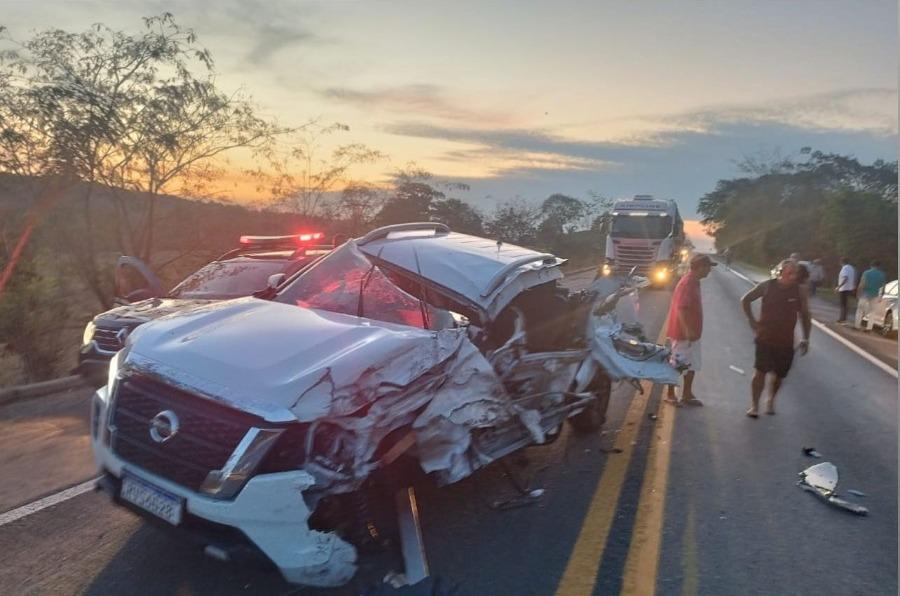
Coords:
648,234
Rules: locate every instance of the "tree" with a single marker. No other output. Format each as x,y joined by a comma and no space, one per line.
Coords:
560,214
299,177
416,197
458,215
136,112
359,204
822,207
514,222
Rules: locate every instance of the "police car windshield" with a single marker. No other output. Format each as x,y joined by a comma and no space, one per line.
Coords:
222,280
641,226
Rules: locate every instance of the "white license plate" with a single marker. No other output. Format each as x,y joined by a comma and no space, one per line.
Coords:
149,498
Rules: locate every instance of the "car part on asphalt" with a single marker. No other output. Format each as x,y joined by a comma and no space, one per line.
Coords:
811,452
821,480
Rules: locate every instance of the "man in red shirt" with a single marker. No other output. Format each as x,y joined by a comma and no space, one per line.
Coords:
684,327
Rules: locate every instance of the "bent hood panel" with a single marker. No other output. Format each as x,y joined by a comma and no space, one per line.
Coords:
144,311
270,357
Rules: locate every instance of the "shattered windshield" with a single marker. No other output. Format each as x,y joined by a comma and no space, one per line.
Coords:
347,282
227,279
646,226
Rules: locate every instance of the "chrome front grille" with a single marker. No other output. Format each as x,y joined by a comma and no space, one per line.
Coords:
110,340
207,435
641,257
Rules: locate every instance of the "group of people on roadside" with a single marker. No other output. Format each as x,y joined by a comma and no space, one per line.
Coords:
784,301
865,291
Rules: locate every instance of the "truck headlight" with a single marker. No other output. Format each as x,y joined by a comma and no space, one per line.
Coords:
113,376
88,333
661,274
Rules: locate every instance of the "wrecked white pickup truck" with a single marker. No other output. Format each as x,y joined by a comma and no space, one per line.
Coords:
272,421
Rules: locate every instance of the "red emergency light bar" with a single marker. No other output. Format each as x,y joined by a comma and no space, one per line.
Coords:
280,240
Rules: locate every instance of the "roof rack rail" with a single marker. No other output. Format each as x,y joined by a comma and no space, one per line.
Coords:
512,266
383,232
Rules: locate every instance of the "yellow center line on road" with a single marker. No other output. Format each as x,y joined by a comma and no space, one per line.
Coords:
642,564
580,575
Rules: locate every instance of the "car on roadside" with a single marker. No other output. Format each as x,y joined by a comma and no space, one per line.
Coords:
295,424
884,309
258,262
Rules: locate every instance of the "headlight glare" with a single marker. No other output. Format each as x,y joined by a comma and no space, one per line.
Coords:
113,375
88,333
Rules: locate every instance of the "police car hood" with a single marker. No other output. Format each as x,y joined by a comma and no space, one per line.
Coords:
144,311
285,362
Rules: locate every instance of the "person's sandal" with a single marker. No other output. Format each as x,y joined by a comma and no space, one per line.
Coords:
753,413
692,402
672,401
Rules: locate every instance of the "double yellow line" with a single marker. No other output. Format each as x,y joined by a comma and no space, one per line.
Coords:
580,575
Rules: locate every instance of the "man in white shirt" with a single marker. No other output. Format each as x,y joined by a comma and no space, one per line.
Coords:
846,286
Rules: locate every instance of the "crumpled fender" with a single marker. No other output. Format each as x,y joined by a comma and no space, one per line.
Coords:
655,365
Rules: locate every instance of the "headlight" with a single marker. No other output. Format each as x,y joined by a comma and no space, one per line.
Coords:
661,274
606,270
88,333
113,376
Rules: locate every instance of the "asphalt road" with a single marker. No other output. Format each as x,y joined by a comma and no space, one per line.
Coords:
686,501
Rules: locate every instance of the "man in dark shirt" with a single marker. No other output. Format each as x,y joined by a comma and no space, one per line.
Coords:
782,300
685,326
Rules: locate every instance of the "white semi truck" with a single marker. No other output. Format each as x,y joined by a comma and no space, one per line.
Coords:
646,233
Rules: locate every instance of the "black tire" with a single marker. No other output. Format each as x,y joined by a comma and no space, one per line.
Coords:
591,419
887,327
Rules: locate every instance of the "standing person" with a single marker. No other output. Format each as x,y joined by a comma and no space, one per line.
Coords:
846,286
816,275
782,300
870,283
727,255
684,326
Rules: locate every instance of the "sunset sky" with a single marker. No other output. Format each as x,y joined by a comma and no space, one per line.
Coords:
531,98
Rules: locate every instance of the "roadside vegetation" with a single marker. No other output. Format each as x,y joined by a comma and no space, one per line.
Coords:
821,205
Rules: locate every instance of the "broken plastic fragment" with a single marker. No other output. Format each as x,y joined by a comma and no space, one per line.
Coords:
856,493
811,452
739,371
821,480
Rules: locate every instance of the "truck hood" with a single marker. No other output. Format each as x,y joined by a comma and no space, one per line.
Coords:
146,310
284,362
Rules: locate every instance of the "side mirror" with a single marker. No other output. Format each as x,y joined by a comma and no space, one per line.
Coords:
275,280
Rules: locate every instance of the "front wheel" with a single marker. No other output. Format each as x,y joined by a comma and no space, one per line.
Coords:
593,416
887,328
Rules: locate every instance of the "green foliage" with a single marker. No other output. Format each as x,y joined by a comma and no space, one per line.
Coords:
825,207
515,222
31,314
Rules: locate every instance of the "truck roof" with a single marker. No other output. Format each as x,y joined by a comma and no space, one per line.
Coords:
646,203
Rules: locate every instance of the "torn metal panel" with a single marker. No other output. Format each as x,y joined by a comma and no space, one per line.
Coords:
625,357
822,480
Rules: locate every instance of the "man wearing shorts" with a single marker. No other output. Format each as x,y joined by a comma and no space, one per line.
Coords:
685,325
782,300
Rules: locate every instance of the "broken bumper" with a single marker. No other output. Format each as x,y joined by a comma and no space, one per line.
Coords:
269,511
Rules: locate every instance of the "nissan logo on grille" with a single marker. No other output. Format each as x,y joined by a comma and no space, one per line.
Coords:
164,426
